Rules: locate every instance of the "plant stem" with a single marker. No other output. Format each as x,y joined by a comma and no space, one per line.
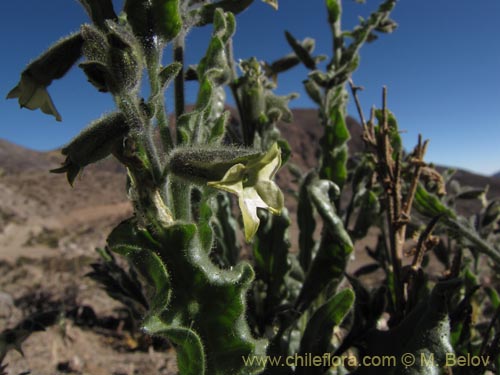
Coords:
180,199
179,46
338,39
354,91
389,173
157,100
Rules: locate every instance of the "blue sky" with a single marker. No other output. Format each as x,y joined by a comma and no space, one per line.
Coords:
441,66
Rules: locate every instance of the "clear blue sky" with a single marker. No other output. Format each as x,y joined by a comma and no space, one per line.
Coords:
442,68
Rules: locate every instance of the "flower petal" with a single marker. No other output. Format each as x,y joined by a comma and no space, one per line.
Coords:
232,180
249,201
267,166
33,96
271,194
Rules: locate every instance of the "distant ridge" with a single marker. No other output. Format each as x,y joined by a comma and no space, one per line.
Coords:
303,134
14,158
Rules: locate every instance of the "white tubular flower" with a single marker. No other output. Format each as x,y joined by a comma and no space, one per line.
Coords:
252,183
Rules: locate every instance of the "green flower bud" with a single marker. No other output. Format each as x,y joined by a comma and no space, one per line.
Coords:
96,46
167,18
31,91
125,60
93,144
96,50
150,18
201,165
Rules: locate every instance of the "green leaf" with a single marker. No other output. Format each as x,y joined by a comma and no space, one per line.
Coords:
120,284
207,300
215,60
334,148
300,51
493,296
316,339
225,226
205,14
462,228
168,73
335,247
491,213
230,27
369,211
429,205
167,18
270,251
219,127
137,246
306,222
189,347
424,332
204,225
313,90
334,11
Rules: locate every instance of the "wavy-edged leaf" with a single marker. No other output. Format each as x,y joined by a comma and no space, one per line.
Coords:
316,339
205,14
424,332
334,148
168,73
329,264
306,222
189,347
369,210
429,205
208,300
137,247
270,251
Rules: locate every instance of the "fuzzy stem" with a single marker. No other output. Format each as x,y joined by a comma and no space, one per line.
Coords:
157,100
180,199
179,46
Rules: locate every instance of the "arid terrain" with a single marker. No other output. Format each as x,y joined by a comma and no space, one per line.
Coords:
48,235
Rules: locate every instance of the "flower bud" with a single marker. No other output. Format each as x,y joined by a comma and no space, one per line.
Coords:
125,60
93,144
201,165
167,18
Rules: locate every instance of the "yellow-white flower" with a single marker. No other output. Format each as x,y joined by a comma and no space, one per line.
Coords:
252,183
33,95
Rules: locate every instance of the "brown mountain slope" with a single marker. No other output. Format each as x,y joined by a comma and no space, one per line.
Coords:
14,158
